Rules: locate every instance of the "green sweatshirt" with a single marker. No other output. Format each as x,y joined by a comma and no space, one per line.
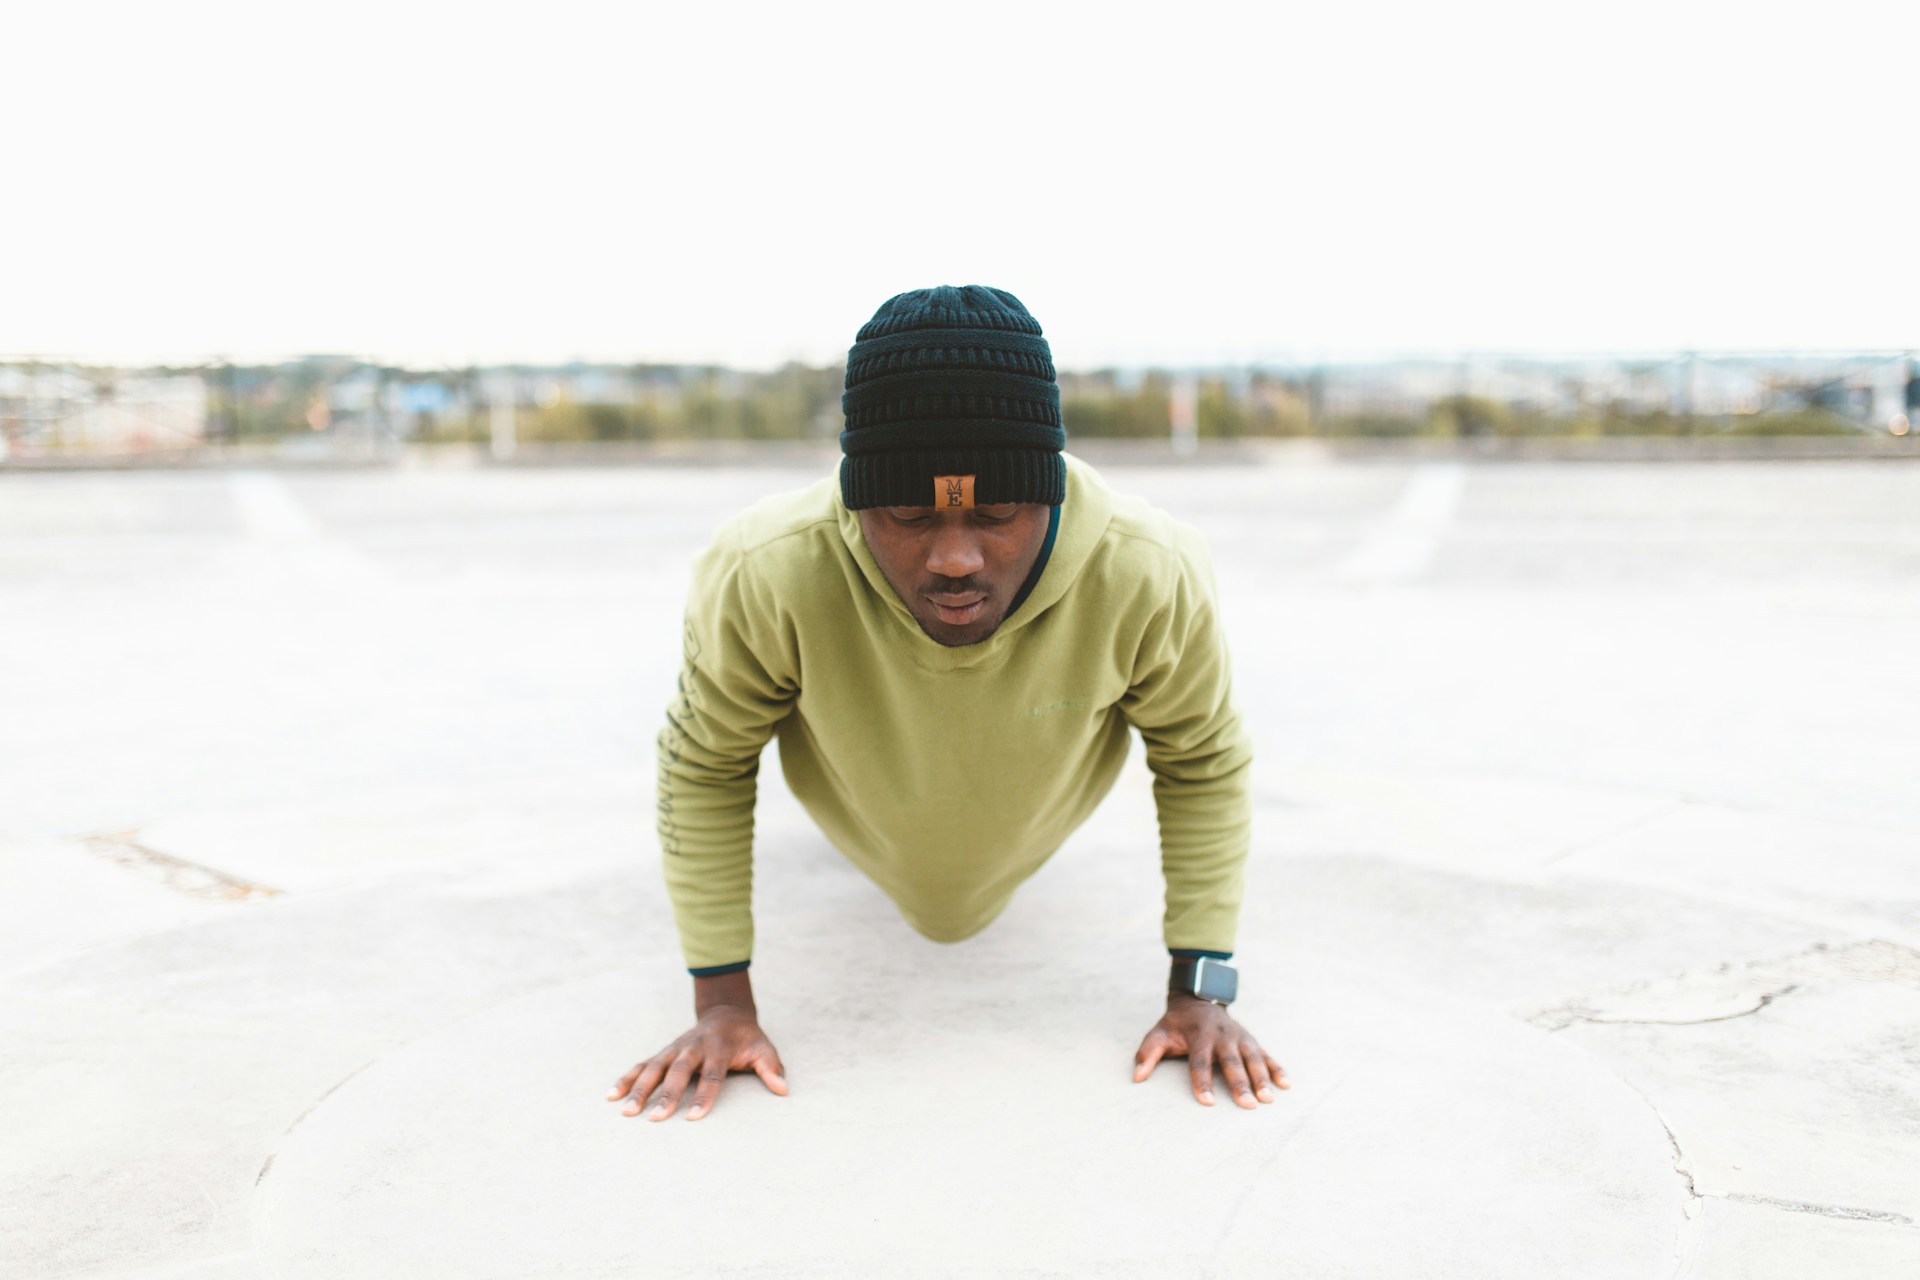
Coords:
950,775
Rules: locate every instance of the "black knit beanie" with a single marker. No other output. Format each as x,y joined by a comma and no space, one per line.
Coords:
951,401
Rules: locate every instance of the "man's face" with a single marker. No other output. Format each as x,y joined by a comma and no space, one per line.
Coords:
956,570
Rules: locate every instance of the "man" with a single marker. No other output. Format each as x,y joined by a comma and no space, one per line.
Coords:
952,642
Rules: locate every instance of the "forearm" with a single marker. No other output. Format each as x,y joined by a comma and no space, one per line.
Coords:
1205,834
706,842
730,696
1203,795
1201,756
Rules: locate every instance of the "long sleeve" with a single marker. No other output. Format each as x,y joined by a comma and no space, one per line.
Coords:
733,689
1181,701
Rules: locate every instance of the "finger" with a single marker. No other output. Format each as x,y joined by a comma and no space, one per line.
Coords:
1257,1071
770,1073
675,1085
1200,1068
1235,1072
652,1070
625,1082
1279,1072
1151,1050
712,1076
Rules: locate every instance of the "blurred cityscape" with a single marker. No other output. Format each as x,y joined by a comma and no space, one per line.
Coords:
53,408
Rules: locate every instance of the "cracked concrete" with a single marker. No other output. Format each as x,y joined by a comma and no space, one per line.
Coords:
1079,1177
1765,1115
1737,1240
1679,1162
1735,991
1583,906
1812,1103
1840,1211
1766,998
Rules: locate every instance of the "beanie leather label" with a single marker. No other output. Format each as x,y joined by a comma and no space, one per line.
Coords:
953,491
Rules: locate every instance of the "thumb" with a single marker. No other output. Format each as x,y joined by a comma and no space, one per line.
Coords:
1152,1049
770,1075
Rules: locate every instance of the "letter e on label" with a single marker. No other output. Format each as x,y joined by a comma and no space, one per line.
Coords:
953,491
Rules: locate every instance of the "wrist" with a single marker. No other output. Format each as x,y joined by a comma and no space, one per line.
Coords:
1205,977
724,993
729,1013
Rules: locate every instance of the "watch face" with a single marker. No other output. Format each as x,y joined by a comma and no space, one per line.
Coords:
1217,981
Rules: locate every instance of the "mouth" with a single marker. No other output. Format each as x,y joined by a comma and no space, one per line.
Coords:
956,609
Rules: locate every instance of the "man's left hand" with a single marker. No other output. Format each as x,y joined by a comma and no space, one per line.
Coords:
1207,1036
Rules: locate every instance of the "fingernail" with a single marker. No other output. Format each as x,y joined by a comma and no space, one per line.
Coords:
656,1113
1266,1095
1207,1097
613,1095
631,1111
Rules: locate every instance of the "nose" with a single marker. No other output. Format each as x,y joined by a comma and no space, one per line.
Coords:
955,552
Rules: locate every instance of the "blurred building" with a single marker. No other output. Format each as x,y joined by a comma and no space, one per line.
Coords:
51,407
71,408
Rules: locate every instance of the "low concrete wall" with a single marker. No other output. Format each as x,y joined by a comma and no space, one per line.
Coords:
1505,449
1617,448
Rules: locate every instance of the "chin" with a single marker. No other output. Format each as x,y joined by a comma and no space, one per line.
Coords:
959,637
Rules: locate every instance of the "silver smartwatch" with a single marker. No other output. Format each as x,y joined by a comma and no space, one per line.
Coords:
1203,976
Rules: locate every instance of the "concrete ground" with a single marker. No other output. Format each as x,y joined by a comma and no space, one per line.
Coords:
1584,907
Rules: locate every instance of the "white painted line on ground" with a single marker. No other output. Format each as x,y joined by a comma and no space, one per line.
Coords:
267,507
282,533
1404,544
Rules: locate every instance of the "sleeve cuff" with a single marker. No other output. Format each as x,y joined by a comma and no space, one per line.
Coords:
715,970
1194,953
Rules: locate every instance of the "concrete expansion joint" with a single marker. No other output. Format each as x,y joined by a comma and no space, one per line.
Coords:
191,879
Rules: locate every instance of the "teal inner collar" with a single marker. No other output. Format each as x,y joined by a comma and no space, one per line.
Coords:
1039,561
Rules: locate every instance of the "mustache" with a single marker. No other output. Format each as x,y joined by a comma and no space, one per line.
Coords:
954,586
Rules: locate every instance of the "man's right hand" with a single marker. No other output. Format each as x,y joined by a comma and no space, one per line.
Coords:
727,1038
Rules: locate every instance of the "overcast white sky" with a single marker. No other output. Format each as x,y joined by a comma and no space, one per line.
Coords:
746,183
